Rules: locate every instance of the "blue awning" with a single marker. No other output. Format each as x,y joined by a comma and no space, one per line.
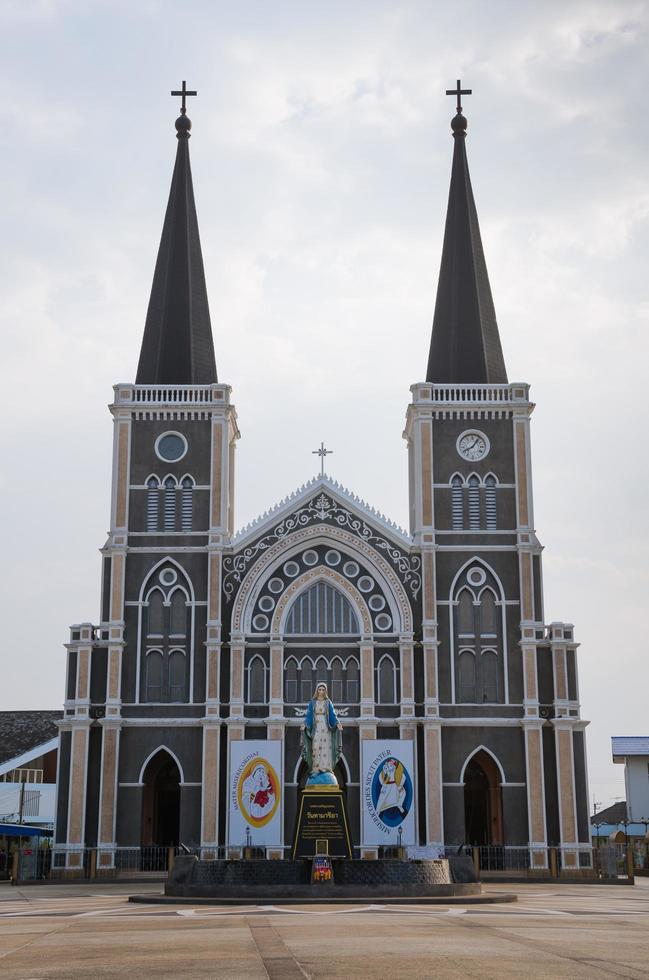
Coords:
23,830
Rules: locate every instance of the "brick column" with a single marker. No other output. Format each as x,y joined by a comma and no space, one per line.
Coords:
210,788
535,792
434,830
106,844
76,836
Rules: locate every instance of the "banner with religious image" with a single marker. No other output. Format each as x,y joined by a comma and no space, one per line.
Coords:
388,792
255,793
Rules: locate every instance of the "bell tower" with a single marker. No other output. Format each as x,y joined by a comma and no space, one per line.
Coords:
486,651
154,661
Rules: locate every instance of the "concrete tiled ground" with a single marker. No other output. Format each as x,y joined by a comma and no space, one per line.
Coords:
575,931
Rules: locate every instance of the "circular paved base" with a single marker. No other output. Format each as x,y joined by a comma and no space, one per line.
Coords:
466,899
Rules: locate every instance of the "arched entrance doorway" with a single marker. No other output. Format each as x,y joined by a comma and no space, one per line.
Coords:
161,801
483,811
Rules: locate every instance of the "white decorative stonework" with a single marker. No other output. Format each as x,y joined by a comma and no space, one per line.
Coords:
323,508
253,577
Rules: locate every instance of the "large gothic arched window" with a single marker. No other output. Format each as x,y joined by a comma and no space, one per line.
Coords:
479,668
323,610
166,620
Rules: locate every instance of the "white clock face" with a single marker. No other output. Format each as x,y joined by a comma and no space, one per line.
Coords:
472,445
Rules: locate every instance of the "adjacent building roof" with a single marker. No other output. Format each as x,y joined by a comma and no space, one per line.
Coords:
465,344
625,745
177,347
22,731
617,813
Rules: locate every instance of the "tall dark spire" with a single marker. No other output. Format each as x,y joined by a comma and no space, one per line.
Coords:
177,347
465,345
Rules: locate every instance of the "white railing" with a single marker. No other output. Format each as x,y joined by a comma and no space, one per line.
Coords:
169,394
472,393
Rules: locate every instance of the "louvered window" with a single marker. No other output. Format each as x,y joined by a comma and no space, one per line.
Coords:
186,503
490,503
170,504
457,503
152,503
474,503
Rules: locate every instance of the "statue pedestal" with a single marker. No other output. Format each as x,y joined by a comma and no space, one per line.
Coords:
322,826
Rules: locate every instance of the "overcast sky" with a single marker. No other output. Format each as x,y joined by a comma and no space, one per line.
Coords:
321,154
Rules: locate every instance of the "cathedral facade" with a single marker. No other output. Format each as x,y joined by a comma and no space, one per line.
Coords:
433,639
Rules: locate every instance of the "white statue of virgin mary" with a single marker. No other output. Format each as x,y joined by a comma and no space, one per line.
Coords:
321,739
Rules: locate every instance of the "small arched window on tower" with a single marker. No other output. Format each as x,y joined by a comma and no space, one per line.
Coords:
178,614
466,677
152,503
465,614
490,502
386,681
488,613
489,669
177,675
153,678
155,617
186,503
170,504
474,503
457,502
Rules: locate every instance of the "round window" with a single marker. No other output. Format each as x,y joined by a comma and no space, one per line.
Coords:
310,557
168,576
476,576
332,557
365,583
376,603
267,603
260,622
351,569
171,446
383,621
292,569
276,585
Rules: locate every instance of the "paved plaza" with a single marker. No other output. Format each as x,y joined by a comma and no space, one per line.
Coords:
80,931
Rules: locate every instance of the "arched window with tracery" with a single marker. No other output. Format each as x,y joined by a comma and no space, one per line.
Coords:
478,641
166,626
290,681
386,681
256,681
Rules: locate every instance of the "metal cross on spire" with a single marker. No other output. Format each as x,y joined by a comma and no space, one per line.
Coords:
458,92
322,453
184,92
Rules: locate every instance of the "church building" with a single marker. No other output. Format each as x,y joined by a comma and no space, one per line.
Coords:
433,642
